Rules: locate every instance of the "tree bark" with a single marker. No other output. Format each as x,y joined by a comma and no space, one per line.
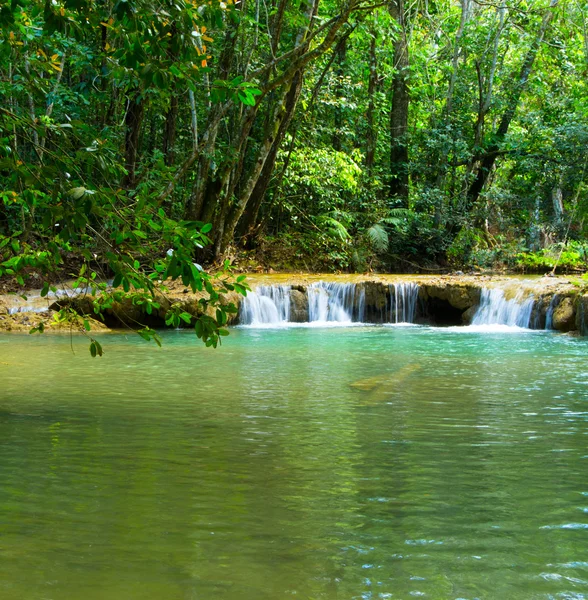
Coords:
398,180
169,131
339,73
249,219
492,151
372,133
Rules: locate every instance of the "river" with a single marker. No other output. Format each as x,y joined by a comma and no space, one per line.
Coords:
318,463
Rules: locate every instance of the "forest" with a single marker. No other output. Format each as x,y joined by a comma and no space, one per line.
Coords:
145,140
384,205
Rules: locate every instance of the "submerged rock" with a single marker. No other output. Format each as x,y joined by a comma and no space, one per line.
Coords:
379,387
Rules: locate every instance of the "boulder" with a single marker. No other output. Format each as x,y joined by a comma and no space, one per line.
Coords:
459,295
468,315
298,306
564,315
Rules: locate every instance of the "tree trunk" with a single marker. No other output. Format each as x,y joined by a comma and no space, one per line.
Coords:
372,133
487,162
398,180
169,132
249,220
339,73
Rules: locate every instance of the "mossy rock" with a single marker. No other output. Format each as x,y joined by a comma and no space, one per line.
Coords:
23,322
564,315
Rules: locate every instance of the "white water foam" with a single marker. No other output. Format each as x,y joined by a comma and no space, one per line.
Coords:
403,302
495,309
330,304
269,305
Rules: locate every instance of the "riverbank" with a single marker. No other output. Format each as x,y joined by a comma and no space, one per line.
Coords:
558,303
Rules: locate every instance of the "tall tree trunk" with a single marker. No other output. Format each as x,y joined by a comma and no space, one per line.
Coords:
372,132
249,219
398,180
492,151
448,109
339,73
169,132
227,225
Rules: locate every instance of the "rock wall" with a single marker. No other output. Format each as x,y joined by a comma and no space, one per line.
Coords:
582,314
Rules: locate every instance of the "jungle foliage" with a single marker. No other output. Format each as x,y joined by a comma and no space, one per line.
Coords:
140,139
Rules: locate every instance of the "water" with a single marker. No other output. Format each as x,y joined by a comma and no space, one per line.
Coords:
335,302
329,303
268,305
550,309
496,309
403,302
321,463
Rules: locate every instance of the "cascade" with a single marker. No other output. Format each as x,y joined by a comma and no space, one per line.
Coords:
36,303
267,305
403,302
549,314
328,302
495,309
335,302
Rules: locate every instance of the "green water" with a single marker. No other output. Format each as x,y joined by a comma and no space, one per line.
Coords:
459,469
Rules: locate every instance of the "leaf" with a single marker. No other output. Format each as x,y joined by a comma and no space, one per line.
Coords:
378,237
76,193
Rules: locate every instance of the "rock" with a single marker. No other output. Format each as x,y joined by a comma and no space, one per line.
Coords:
459,295
376,296
3,308
468,315
298,306
582,314
564,315
25,321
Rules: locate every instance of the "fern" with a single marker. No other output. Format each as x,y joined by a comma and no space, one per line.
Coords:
378,237
397,216
333,227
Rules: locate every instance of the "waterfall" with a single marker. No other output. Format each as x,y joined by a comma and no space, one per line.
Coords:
549,314
403,302
267,305
335,302
495,309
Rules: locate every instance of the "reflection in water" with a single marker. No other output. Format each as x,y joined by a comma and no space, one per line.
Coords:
265,469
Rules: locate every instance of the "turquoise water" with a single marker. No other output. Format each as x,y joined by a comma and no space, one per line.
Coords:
296,463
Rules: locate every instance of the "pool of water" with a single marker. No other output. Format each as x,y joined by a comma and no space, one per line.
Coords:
363,462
